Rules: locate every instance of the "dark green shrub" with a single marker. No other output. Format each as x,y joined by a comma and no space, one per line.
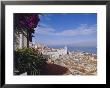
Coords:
28,60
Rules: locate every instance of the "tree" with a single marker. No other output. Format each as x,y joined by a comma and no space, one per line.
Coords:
28,60
26,22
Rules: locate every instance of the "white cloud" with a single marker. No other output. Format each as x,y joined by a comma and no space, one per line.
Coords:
43,25
46,16
84,29
45,31
78,43
85,43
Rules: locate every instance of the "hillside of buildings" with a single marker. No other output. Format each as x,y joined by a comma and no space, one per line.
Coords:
67,63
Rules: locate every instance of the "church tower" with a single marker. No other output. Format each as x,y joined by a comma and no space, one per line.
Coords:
65,49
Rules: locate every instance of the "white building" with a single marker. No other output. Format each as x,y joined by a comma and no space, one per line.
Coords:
38,45
20,40
56,53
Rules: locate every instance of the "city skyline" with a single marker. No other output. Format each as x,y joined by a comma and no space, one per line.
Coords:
62,44
73,29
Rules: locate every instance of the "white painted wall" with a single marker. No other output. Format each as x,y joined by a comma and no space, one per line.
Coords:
20,40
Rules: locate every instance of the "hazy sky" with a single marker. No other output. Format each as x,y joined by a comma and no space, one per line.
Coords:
74,29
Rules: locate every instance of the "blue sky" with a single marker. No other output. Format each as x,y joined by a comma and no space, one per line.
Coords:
72,29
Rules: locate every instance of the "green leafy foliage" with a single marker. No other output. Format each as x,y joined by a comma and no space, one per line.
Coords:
28,60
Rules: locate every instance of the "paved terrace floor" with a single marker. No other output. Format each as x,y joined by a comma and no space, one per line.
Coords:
53,69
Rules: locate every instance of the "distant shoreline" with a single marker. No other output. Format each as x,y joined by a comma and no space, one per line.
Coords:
80,49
